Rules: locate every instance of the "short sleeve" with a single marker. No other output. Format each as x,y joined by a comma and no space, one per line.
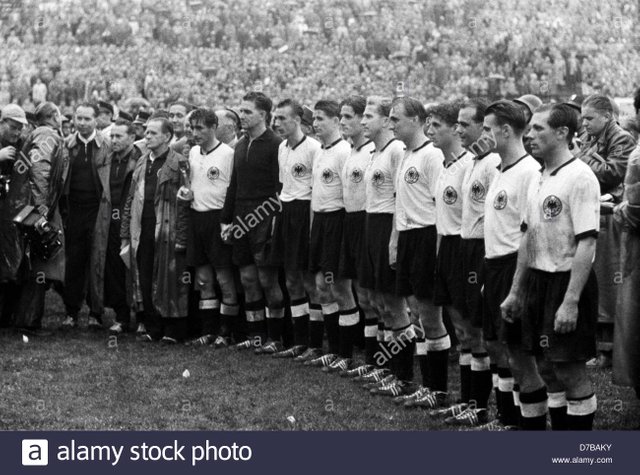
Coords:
585,206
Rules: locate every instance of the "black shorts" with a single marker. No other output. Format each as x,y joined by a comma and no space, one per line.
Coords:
378,274
252,232
291,237
352,250
498,278
416,263
473,277
326,240
204,245
449,279
544,293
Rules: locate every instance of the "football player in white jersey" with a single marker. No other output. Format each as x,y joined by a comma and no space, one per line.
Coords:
504,125
354,194
381,240
554,291
340,312
296,156
210,166
415,221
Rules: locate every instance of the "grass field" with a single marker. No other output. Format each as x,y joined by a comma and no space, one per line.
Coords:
88,381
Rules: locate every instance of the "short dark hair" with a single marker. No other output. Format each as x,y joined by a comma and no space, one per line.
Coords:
508,112
382,104
131,130
599,102
561,115
479,105
261,101
89,105
329,107
447,111
207,116
356,102
412,107
165,124
295,107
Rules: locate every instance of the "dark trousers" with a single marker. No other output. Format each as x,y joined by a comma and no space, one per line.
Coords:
145,258
29,309
115,276
9,292
78,241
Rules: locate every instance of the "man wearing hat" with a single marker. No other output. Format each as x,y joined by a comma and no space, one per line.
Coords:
37,179
105,118
139,124
67,125
12,121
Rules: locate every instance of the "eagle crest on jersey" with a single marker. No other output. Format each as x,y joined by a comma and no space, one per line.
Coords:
327,175
551,206
412,175
378,178
356,175
450,195
501,199
477,191
213,173
298,170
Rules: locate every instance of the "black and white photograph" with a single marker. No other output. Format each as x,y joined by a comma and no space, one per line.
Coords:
319,215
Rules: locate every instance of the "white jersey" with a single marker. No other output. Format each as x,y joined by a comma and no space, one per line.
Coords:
210,176
353,182
563,206
416,187
475,185
296,167
449,195
504,206
326,193
380,178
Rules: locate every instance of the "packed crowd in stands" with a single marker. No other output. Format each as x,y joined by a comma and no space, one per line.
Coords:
210,51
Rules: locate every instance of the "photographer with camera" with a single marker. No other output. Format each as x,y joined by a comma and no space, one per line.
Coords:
37,182
12,121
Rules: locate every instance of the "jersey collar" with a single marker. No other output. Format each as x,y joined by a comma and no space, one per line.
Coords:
555,172
304,137
363,145
421,146
388,143
332,144
499,167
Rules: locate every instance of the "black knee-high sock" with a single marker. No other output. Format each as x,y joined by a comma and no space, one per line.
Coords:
421,355
348,323
558,410
533,406
256,324
316,326
580,412
465,375
300,316
405,338
381,359
481,382
331,315
209,315
509,413
438,362
275,322
228,313
370,340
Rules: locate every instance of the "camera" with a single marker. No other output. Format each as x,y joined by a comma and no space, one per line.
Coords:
43,237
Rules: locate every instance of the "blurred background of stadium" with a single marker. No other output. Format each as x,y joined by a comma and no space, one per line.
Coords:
212,51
